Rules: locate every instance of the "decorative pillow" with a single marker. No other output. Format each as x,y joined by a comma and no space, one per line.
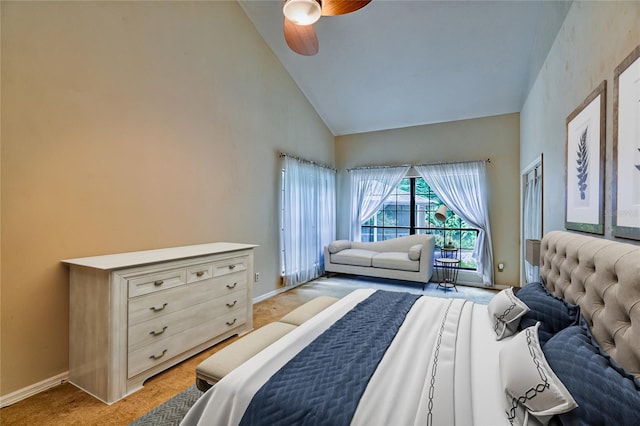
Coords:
554,313
505,311
606,394
338,245
528,380
414,252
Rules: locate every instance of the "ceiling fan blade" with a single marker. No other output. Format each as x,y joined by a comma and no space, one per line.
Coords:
341,7
301,38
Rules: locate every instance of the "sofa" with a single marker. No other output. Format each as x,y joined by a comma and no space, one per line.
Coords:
407,258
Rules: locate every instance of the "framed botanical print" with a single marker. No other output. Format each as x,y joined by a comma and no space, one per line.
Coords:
584,172
626,148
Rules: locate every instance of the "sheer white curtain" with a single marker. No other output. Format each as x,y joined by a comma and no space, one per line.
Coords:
532,220
369,188
307,218
464,190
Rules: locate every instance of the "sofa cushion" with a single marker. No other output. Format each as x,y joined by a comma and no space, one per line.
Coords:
399,244
355,257
414,252
395,260
339,245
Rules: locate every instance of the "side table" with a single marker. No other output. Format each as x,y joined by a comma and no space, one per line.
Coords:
447,270
449,252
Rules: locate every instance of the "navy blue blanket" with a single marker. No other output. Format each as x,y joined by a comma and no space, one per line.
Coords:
324,382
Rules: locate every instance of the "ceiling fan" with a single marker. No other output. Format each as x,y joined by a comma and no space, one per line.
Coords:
300,15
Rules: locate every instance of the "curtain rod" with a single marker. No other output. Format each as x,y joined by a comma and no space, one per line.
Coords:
303,160
488,160
377,167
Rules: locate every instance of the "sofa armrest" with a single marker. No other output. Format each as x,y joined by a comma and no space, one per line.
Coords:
426,258
338,245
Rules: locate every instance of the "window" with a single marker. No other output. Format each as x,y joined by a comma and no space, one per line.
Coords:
410,209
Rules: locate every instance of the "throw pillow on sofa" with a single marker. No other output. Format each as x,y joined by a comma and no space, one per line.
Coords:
414,252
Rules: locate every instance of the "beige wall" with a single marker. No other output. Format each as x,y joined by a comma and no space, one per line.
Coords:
491,137
132,126
594,39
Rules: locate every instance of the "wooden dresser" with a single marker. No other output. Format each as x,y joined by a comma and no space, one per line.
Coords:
132,315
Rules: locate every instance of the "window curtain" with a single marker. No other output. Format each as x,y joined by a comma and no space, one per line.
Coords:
307,218
369,188
464,190
532,211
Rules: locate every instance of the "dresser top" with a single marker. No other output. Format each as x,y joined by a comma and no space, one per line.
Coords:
136,258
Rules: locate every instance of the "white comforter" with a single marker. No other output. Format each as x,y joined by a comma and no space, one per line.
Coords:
441,369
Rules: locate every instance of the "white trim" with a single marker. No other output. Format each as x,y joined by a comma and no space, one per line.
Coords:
278,291
33,389
465,277
537,162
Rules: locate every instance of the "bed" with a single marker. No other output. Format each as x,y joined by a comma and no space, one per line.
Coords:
385,358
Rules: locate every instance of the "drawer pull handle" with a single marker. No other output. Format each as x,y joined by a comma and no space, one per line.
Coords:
199,273
158,283
158,356
231,305
232,286
157,333
154,309
232,266
232,322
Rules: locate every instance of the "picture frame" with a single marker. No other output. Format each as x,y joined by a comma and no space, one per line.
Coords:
585,161
626,148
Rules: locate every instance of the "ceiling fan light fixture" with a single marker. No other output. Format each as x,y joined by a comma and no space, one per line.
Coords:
302,12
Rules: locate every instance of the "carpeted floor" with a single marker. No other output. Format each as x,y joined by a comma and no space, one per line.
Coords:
172,392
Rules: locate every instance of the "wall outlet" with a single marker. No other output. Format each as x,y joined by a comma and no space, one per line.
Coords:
257,277
500,267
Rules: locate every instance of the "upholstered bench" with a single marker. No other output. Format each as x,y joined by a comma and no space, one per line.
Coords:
218,365
304,312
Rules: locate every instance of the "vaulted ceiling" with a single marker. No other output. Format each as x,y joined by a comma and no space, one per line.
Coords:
401,63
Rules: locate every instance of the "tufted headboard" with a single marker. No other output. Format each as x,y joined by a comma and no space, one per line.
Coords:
603,277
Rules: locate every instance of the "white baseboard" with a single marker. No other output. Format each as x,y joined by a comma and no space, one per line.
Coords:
273,293
277,291
269,295
33,389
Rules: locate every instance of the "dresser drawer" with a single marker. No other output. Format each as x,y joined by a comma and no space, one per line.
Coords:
230,266
199,272
231,282
162,350
159,304
157,282
169,325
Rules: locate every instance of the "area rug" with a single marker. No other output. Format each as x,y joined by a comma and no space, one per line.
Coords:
340,285
170,413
